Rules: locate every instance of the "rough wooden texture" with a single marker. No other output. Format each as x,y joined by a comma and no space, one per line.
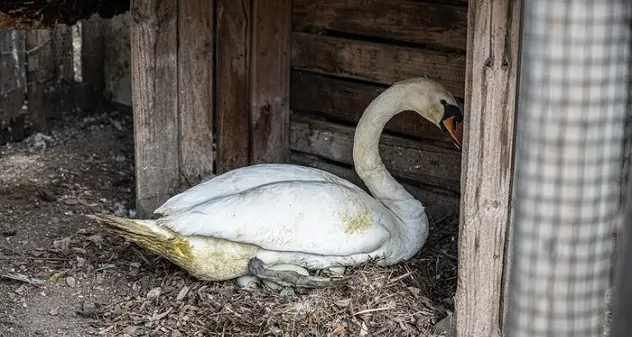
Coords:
233,97
195,90
12,84
62,53
492,60
345,101
92,63
407,159
403,20
28,14
438,203
154,75
270,80
376,62
41,75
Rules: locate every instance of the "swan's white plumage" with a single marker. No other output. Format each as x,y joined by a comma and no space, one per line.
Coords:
290,214
245,178
314,217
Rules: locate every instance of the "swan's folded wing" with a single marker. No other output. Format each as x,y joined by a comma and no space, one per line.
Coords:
310,217
243,179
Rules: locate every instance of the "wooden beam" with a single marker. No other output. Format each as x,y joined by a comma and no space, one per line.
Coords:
438,203
233,97
12,85
415,161
62,54
344,101
92,63
155,95
195,90
401,20
376,62
41,77
487,165
270,80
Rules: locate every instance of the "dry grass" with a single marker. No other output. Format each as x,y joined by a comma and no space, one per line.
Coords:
164,300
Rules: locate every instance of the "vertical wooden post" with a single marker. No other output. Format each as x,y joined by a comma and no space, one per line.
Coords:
233,98
487,164
41,77
195,89
92,63
61,44
270,80
155,101
12,83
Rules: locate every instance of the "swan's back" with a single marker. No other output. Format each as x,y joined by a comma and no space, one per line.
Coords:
314,217
245,178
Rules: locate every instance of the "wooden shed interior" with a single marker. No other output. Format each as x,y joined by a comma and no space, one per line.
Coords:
224,84
295,76
228,84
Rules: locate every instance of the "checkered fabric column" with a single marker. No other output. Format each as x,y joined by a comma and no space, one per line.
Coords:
571,128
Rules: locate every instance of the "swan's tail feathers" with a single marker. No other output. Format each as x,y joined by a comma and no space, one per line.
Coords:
147,234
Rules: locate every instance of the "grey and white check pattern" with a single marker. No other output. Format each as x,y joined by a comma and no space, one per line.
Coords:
571,128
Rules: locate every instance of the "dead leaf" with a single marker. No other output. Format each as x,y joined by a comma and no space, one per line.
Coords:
79,250
63,244
70,202
343,303
338,330
154,293
183,293
58,276
158,317
364,330
96,239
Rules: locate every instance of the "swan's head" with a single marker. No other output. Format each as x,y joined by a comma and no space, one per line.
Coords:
436,104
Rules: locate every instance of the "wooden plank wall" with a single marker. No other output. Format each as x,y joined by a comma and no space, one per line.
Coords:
38,77
229,106
344,53
12,85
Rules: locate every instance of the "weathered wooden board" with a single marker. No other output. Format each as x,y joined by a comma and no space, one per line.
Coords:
154,70
62,53
345,101
90,91
41,76
195,90
233,97
376,62
12,84
403,20
270,80
431,165
492,64
438,203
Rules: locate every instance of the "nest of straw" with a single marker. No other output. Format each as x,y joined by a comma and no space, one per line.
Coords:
402,300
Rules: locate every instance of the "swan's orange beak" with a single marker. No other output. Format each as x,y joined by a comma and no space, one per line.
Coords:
454,128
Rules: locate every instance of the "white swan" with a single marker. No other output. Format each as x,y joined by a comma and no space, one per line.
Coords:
244,221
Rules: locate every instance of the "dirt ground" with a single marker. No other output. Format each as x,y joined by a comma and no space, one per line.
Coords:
63,276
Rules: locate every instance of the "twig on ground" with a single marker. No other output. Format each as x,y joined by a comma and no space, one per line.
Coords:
23,278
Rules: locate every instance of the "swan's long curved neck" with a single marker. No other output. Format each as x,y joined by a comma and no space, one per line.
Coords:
366,156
